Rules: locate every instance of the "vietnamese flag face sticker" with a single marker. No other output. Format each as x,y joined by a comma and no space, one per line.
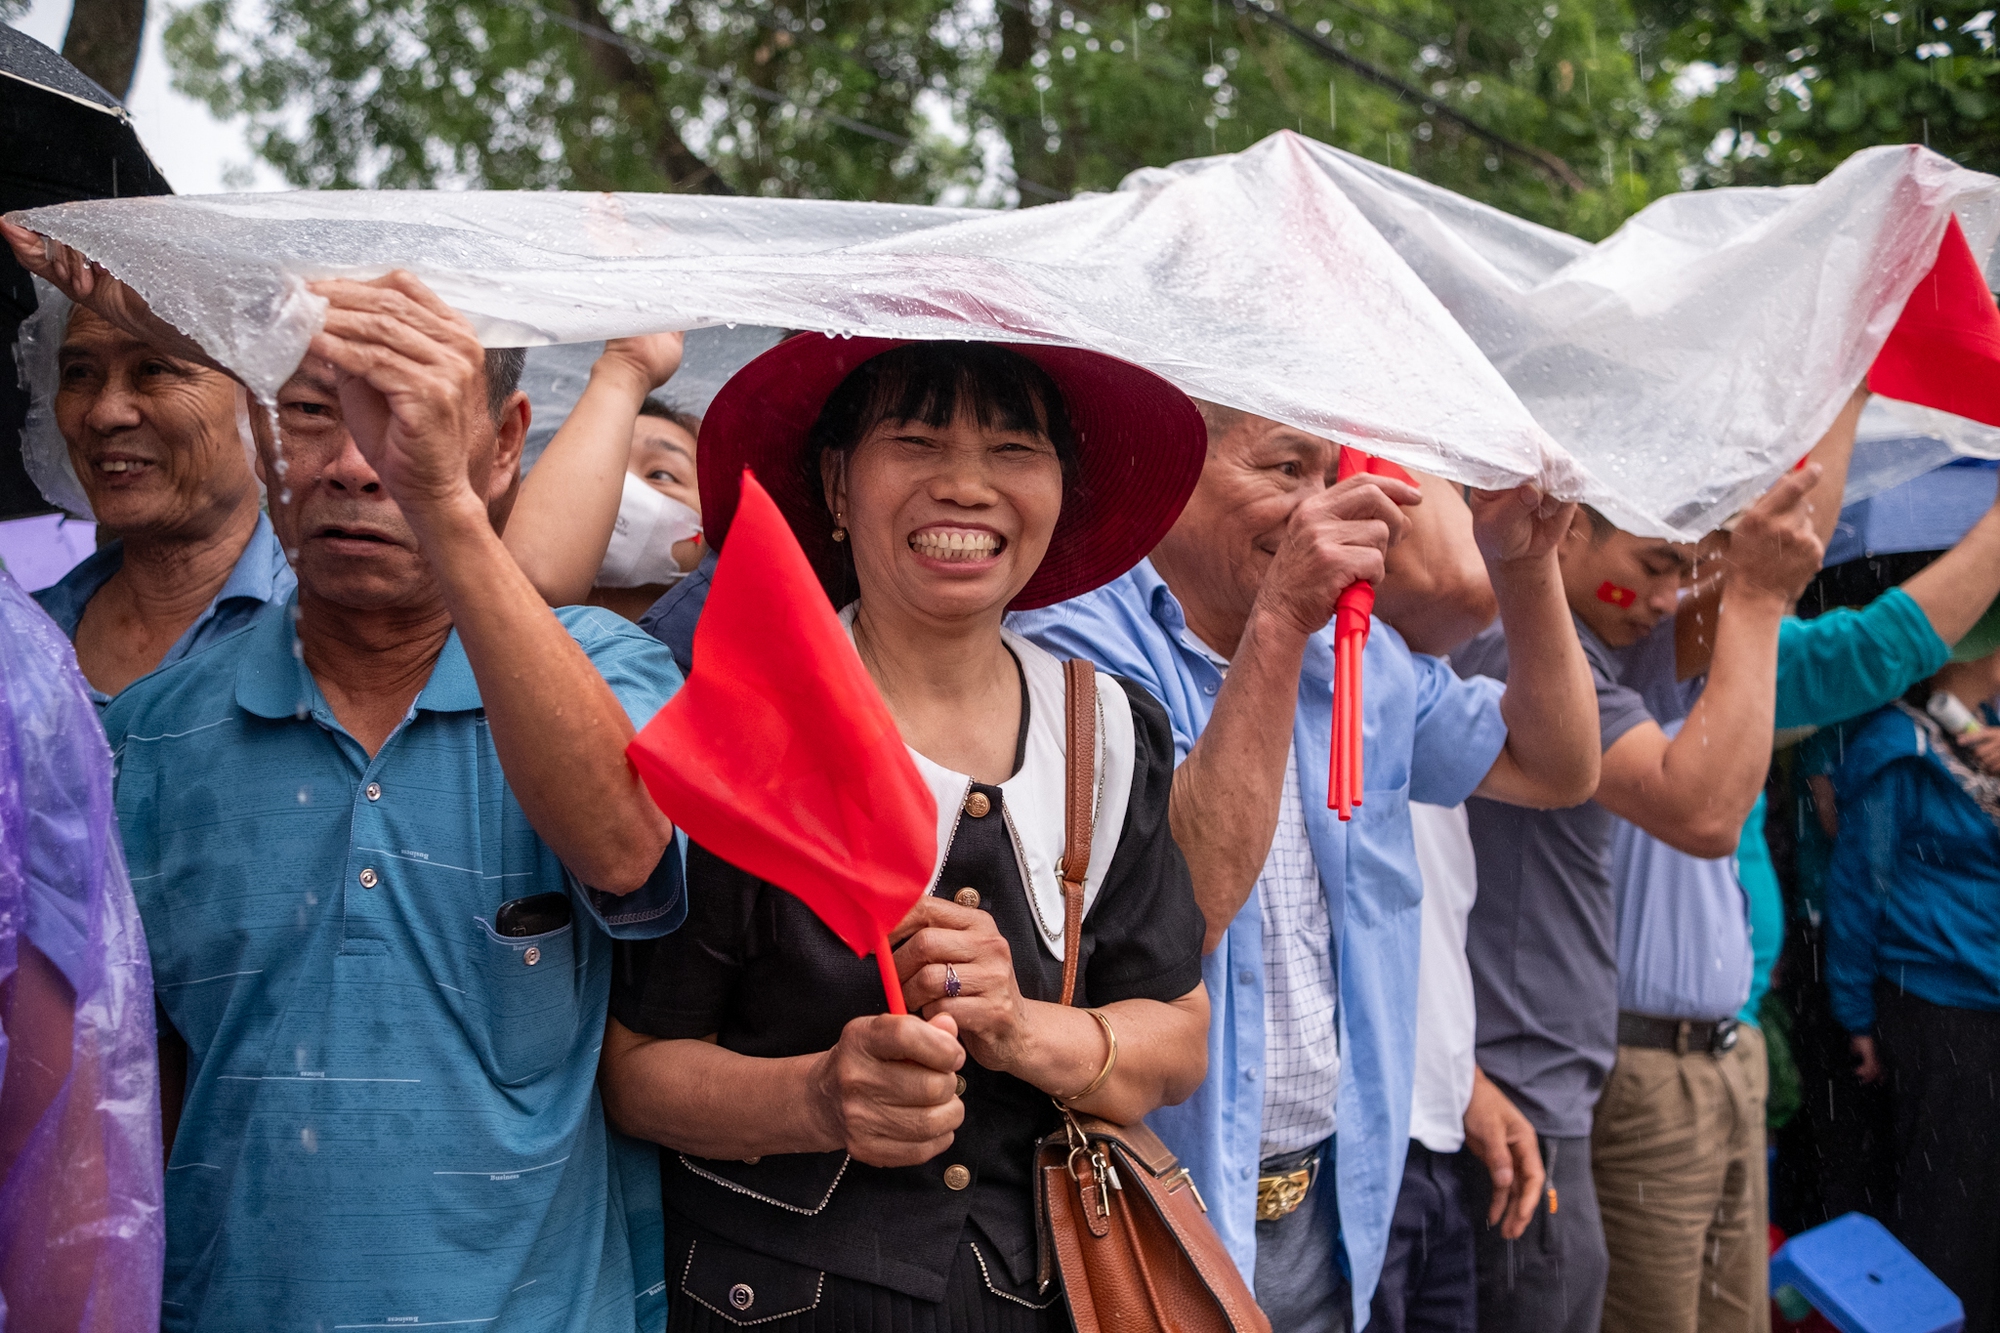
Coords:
1622,598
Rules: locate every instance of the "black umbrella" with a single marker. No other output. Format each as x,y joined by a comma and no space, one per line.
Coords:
61,137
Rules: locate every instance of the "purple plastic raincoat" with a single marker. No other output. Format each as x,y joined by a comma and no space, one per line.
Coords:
82,1238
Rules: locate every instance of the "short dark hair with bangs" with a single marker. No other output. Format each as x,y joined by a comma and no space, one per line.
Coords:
932,383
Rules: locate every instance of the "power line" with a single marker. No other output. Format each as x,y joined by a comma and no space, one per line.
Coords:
1541,159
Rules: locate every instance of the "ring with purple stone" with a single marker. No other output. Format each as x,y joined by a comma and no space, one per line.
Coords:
952,985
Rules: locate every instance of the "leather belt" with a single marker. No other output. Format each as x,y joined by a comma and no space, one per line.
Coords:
1679,1035
1284,1181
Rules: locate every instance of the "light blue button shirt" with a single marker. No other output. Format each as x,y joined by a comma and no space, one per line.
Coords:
261,577
392,1115
1426,736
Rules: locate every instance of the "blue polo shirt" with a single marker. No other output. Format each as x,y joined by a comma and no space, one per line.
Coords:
261,576
392,1118
1426,736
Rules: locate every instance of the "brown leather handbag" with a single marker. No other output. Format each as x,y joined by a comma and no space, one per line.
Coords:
1120,1217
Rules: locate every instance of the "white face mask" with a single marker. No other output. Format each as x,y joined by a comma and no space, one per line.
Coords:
643,538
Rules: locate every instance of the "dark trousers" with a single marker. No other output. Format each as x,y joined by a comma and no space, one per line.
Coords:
1943,1065
1551,1280
1429,1276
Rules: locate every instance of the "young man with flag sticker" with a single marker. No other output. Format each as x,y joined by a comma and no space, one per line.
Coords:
1543,938
1313,922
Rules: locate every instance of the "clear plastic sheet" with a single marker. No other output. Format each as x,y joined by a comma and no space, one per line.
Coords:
42,450
1669,373
555,376
81,1233
1692,356
1256,284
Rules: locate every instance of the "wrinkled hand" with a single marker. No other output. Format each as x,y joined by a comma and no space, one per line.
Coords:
89,285
1867,1066
644,362
1774,549
886,1090
1501,1137
1523,524
1334,539
413,392
992,1016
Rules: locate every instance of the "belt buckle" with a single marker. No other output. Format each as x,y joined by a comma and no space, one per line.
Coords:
1723,1036
1280,1195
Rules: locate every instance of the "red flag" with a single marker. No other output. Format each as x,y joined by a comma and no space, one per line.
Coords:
779,755
1945,349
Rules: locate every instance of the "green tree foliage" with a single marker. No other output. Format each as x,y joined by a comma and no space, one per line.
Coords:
1781,91
1536,107
1574,113
825,99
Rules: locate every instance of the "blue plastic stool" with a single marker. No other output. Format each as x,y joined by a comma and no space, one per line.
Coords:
1862,1279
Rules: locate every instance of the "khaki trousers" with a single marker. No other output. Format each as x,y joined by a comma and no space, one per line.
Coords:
1677,1152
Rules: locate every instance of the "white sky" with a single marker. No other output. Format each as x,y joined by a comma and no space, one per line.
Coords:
185,141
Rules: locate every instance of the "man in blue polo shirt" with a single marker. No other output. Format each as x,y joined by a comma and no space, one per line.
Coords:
1314,924
153,440
382,841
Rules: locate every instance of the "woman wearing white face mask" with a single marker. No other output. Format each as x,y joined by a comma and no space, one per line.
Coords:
610,514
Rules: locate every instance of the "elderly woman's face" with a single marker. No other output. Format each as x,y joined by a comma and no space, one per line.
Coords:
949,520
153,439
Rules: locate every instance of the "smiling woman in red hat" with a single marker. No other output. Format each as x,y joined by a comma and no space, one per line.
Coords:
829,1165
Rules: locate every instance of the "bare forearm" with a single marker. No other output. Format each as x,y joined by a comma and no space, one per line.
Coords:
1162,1054
1714,769
562,522
559,730
1955,590
1550,705
1435,590
695,1097
1224,806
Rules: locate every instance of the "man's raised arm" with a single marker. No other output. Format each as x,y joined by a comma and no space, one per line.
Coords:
416,405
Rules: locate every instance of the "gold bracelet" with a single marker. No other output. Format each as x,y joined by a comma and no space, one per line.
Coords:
1110,1057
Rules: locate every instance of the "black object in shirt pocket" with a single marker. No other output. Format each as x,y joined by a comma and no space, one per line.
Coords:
531,993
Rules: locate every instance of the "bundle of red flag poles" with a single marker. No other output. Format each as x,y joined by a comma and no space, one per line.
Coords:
779,756
1350,640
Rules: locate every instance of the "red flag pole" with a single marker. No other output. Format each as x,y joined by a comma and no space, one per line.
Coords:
892,985
1344,782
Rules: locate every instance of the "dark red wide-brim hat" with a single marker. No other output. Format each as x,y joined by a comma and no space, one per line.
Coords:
1140,445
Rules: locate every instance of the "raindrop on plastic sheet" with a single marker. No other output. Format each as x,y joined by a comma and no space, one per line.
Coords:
309,1139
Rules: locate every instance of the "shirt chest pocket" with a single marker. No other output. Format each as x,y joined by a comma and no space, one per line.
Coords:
529,986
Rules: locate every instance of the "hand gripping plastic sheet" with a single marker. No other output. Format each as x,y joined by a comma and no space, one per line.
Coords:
81,1232
1700,350
1255,283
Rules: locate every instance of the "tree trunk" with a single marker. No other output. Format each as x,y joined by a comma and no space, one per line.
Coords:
639,94
103,41
1040,177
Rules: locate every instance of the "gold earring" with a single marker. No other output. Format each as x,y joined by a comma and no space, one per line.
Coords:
840,527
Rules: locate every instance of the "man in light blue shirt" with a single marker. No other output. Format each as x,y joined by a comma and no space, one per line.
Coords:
1227,624
153,440
382,841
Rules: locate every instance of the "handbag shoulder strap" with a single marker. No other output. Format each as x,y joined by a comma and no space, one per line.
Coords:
1079,807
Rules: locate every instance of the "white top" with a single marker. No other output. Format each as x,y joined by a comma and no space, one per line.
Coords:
1445,1017
1036,796
1301,1042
